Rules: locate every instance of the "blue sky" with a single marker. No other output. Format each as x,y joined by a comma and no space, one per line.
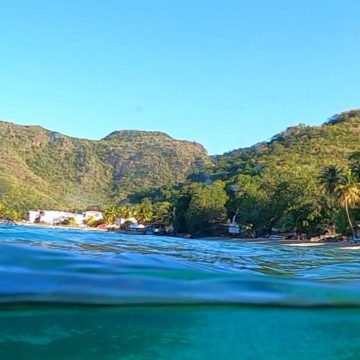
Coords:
224,73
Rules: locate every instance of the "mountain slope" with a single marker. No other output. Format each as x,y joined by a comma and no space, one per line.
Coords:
275,184
40,168
299,149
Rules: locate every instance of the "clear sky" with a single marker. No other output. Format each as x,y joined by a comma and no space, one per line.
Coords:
225,73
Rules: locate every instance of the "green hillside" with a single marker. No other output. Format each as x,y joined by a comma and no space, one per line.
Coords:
275,184
271,185
44,169
298,150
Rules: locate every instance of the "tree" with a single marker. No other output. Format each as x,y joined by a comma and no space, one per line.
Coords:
250,202
305,215
329,180
126,211
354,160
348,195
3,211
206,209
110,214
7,213
181,206
163,212
144,211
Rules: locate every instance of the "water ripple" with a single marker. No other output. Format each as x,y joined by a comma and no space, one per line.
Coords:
78,267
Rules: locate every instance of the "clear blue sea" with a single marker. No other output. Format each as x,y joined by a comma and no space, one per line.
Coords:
76,295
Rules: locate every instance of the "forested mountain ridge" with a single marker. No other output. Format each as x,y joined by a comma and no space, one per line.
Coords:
40,168
299,148
276,184
273,184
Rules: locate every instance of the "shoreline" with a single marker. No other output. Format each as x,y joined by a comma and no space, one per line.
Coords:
294,243
344,244
60,227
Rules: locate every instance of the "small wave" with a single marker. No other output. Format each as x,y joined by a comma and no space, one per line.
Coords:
32,275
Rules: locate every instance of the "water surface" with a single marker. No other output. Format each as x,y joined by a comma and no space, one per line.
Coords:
86,295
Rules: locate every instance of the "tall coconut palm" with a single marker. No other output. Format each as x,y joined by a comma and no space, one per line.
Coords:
348,195
329,180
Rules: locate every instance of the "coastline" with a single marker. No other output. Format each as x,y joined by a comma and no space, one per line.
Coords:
344,244
294,243
62,227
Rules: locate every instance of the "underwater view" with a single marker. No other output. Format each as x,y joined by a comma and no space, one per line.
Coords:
72,294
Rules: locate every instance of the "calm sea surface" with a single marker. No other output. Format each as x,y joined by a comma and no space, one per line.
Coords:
68,294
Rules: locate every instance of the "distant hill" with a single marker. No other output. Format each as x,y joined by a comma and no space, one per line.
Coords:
44,169
299,150
275,184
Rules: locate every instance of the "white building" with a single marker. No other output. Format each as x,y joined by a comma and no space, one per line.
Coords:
53,217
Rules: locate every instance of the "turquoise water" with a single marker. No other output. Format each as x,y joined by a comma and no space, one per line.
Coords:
67,294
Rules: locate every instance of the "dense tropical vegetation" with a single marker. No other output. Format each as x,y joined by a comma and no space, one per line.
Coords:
144,212
303,181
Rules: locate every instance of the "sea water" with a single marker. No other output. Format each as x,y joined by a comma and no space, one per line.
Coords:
70,294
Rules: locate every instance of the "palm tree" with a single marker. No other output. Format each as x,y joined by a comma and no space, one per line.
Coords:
111,213
348,195
354,160
127,211
329,180
355,168
144,213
